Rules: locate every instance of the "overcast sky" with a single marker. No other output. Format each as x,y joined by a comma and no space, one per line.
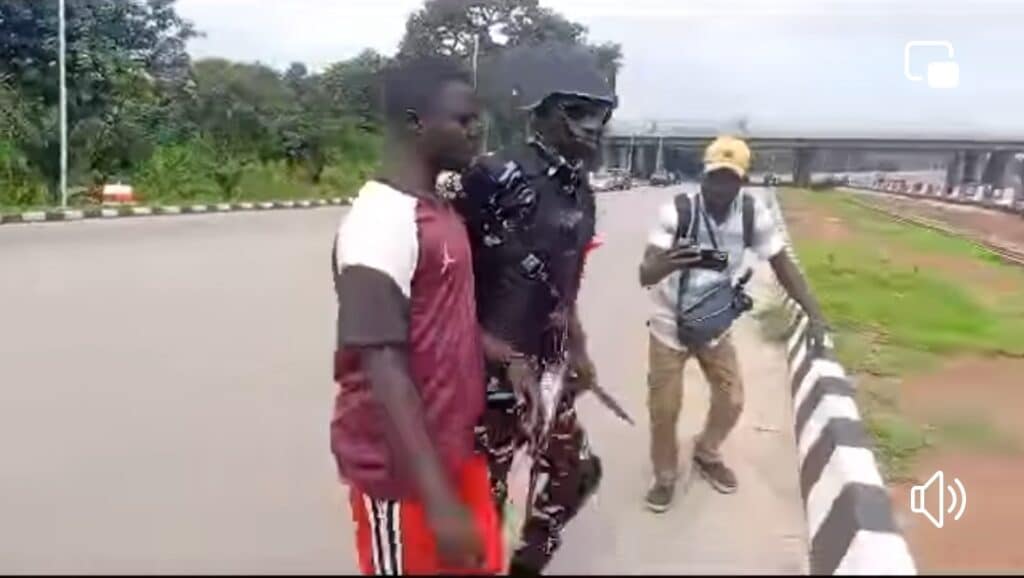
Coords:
834,64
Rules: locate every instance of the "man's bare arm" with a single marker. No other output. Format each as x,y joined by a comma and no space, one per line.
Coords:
660,263
793,281
388,370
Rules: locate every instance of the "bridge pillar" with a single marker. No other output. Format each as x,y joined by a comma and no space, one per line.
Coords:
955,170
973,166
623,154
803,166
659,163
997,170
640,170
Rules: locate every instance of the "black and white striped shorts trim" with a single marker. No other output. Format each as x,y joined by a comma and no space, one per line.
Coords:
386,535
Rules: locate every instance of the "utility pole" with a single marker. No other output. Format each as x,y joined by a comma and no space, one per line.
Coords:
476,58
476,82
63,107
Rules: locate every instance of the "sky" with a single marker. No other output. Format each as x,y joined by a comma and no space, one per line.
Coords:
836,65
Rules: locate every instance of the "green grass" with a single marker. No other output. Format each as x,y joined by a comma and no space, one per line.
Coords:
898,441
906,307
257,183
4,209
893,318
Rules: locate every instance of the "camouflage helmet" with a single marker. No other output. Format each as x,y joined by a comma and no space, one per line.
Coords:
532,74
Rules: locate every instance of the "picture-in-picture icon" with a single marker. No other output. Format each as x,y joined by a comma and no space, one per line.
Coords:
939,73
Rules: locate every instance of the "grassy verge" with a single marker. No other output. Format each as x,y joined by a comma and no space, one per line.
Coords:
902,300
255,183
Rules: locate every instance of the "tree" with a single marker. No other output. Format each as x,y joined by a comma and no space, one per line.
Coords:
240,106
20,184
449,27
609,59
119,52
296,76
352,87
139,108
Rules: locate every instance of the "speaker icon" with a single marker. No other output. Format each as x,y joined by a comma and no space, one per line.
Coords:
957,496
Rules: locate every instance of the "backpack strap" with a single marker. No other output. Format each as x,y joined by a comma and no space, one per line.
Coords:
688,227
684,216
748,221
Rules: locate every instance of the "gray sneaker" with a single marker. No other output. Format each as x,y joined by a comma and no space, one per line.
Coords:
717,474
659,497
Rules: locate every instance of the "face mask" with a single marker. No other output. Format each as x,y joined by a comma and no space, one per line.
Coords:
584,120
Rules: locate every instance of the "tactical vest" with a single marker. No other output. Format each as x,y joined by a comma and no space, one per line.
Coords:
530,216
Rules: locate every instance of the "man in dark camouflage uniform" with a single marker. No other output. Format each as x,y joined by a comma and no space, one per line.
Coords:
531,216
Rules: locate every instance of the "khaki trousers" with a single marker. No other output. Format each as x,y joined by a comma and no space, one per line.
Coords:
665,401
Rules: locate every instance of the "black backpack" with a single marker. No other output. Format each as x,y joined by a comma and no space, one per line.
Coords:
715,313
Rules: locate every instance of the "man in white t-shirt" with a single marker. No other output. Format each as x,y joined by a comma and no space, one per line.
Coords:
731,221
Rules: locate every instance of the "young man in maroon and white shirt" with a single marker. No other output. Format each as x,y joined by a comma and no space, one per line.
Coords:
409,362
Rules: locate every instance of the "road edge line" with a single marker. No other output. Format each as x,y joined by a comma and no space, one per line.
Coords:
113,212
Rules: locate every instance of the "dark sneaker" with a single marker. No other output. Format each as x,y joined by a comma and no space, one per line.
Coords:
659,497
591,472
717,474
517,568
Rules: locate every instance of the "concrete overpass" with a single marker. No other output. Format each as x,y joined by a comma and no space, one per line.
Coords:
647,146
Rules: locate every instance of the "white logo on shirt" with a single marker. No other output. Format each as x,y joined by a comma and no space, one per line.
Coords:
446,260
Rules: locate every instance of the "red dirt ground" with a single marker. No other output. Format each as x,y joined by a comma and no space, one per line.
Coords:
988,538
995,226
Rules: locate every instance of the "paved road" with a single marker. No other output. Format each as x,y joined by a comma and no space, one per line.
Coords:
165,391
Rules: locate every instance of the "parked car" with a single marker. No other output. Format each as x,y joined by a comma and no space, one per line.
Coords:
771,179
602,181
661,179
619,180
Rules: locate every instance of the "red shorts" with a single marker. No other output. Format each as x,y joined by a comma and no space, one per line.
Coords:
394,537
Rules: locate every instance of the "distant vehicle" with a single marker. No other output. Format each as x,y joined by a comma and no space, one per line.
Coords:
771,179
612,179
830,182
661,179
602,181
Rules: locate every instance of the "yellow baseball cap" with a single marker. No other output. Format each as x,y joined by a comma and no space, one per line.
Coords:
727,152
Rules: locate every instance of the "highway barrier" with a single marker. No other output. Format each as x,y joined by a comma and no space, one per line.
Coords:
1006,199
850,522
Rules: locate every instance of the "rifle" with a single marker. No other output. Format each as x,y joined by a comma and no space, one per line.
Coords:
552,387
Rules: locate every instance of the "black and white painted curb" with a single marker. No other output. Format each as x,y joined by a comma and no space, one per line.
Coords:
136,211
850,522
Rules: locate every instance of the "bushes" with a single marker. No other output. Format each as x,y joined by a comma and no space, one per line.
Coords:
20,186
195,172
181,172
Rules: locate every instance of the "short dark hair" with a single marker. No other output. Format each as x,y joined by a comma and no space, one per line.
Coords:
415,83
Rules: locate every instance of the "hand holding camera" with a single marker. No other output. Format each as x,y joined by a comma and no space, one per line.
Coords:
689,255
